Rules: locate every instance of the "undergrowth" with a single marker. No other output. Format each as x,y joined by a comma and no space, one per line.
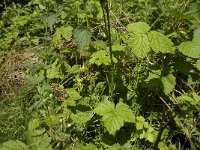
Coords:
99,74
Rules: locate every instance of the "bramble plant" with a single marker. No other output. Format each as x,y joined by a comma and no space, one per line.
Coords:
99,74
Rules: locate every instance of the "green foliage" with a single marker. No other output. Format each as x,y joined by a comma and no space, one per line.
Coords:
50,19
114,117
101,57
63,32
160,43
13,145
141,41
99,74
191,48
82,35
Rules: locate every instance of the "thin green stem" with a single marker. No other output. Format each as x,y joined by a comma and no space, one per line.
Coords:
105,8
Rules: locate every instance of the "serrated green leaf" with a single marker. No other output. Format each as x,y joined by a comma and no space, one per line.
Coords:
190,49
81,117
13,145
112,121
139,44
38,140
169,83
114,118
33,124
126,113
104,107
67,32
82,36
185,98
101,57
140,27
160,43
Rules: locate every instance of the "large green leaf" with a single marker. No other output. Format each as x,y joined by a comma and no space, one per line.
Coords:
81,117
82,36
169,83
160,43
190,49
139,44
113,121
125,112
104,108
140,27
114,117
13,145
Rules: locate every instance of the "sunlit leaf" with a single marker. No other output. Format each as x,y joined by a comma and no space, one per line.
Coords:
140,27
139,44
104,107
81,117
160,43
33,124
190,49
13,145
169,83
114,117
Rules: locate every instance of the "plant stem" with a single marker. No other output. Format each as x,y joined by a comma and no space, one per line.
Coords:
104,5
